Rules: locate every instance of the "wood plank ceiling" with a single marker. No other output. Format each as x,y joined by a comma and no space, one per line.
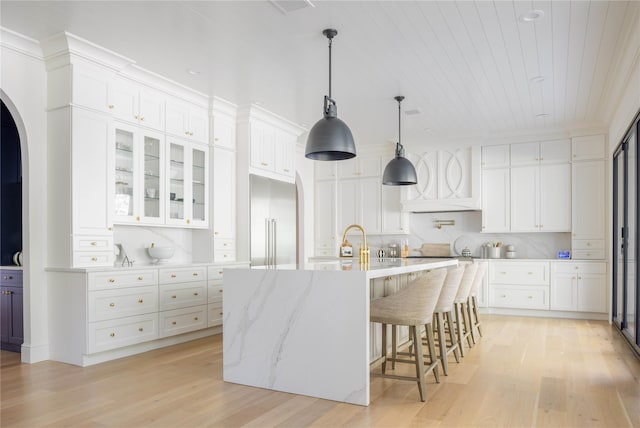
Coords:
466,68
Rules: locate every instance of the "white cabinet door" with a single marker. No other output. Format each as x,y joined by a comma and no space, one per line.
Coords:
186,120
224,131
92,154
348,204
564,292
495,200
198,124
262,147
360,166
556,151
590,147
555,198
524,199
285,151
394,221
124,101
326,170
91,88
199,186
369,210
151,109
224,172
592,293
495,156
588,200
525,154
325,218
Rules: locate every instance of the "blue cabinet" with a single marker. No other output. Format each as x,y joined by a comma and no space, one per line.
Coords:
11,324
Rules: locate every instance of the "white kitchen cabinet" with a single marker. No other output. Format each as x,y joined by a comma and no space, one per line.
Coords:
394,220
536,153
496,197
448,180
496,156
272,151
137,104
186,120
588,208
139,178
578,286
359,167
325,212
525,154
541,198
359,203
224,195
519,285
326,170
589,147
285,152
224,131
188,181
91,86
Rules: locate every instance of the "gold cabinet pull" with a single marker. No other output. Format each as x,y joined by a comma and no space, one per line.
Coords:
530,273
191,134
186,132
112,280
142,118
215,233
224,256
195,274
174,296
112,334
220,272
140,329
220,291
140,300
94,243
503,296
530,297
94,259
188,221
110,106
225,244
112,305
195,318
137,218
174,322
173,275
195,294
220,313
216,139
588,244
135,116
140,278
264,164
286,169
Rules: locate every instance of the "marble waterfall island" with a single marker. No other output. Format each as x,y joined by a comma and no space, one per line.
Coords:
306,330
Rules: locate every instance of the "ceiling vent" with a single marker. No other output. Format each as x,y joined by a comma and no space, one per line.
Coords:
288,6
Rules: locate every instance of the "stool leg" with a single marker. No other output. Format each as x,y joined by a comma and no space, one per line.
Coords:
471,323
474,300
419,363
394,346
384,348
459,332
467,324
442,341
452,336
433,358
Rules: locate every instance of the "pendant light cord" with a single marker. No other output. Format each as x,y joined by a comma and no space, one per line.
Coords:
330,42
399,127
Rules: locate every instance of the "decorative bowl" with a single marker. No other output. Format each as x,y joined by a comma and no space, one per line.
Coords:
160,253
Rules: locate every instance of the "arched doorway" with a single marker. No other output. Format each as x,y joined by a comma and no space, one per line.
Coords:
11,330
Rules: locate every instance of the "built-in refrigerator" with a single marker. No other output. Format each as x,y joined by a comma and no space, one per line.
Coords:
273,222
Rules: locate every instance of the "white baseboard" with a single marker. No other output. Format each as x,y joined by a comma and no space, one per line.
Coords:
30,354
545,314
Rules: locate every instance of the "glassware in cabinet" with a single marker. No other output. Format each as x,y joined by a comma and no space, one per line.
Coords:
124,173
176,181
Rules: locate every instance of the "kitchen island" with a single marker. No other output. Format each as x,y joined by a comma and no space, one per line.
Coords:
306,330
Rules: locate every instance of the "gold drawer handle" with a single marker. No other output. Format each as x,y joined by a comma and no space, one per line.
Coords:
503,296
112,280
220,313
224,245
112,334
112,305
173,322
195,318
504,273
188,221
588,244
220,291
142,118
140,329
286,169
137,218
186,132
140,300
110,106
530,297
220,272
140,278
195,274
195,294
264,164
225,256
530,273
216,139
94,259
173,275
94,243
215,233
174,296
135,116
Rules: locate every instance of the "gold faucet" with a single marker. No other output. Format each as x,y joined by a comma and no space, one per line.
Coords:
364,249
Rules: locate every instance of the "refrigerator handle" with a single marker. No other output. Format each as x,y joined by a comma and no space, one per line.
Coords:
267,237
273,240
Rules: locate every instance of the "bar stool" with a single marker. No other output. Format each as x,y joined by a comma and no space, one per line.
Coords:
413,306
472,303
463,330
443,313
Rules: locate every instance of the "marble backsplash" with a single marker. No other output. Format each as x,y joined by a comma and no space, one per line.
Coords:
466,232
136,240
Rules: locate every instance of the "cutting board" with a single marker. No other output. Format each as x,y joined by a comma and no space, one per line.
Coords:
435,249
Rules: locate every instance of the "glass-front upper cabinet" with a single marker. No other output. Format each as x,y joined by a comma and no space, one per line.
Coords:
188,184
139,176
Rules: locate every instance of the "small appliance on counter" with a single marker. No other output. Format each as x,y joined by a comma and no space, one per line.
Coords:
510,252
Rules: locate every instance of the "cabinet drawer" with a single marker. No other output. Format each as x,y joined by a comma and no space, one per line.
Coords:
121,332
93,259
224,255
11,277
93,243
588,255
214,292
520,273
214,314
587,244
224,244
215,272
577,267
182,320
525,297
168,276
110,304
176,296
134,278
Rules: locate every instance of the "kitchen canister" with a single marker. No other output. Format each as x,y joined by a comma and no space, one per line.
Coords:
466,252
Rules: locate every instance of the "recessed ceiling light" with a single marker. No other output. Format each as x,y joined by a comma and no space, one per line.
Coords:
532,15
542,114
193,72
537,79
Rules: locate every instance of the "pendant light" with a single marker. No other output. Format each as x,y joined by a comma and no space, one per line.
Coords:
400,170
330,138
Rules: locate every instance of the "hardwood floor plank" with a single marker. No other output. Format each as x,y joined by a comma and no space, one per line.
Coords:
523,372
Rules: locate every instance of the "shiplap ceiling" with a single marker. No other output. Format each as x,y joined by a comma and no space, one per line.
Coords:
467,67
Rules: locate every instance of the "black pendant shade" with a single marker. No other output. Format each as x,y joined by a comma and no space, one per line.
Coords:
330,138
399,171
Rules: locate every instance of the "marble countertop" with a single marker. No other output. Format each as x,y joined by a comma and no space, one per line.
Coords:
376,268
142,266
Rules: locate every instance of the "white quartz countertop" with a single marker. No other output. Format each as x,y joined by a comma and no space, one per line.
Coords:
142,266
376,268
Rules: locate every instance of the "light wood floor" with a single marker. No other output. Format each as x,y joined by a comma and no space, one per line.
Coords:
524,372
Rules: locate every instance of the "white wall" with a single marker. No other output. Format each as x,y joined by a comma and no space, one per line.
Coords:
23,89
